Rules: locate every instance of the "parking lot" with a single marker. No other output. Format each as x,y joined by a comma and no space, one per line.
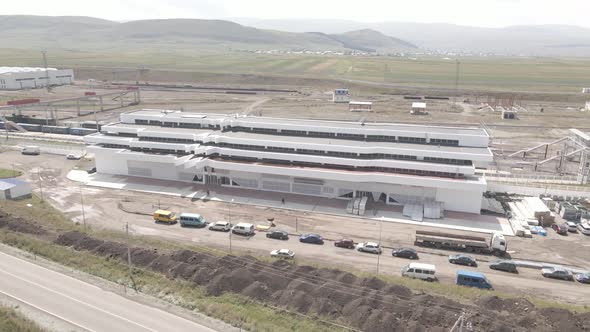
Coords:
104,208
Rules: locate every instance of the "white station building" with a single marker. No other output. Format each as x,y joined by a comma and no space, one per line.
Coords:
389,163
18,78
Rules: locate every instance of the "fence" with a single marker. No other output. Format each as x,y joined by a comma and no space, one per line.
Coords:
532,179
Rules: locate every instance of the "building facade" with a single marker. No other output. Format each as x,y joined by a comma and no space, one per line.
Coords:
340,96
389,163
12,188
18,78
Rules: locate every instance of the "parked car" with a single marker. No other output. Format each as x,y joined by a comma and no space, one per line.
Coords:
419,271
31,150
344,243
282,253
311,238
462,260
583,278
561,229
473,279
584,228
506,266
572,227
222,226
557,273
370,247
192,219
277,234
91,171
243,228
405,253
164,216
73,157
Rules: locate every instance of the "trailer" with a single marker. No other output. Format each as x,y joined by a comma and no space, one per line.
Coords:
494,244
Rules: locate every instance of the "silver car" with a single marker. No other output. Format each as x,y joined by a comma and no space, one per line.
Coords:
557,273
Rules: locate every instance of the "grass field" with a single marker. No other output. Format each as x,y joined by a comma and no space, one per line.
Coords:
504,74
12,321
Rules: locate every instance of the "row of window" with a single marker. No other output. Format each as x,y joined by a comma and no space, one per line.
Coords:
166,139
343,167
289,132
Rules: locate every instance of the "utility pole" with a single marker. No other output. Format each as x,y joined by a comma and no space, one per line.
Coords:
83,213
40,182
296,224
458,64
46,70
379,255
128,250
229,221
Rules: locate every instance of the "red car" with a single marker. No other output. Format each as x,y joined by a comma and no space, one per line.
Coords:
344,243
561,229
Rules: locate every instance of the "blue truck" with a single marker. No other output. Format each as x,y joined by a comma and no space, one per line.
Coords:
473,279
192,219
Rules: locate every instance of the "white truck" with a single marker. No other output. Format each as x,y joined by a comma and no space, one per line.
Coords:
493,244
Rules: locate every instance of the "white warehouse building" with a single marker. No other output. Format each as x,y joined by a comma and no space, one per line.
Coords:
18,78
389,163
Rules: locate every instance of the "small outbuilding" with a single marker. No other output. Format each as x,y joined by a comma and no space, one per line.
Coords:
419,108
13,188
360,106
341,96
508,114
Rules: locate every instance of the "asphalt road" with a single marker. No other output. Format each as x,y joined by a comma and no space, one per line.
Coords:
82,305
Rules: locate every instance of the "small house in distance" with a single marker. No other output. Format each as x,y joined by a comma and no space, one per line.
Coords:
360,106
341,96
14,189
418,108
508,114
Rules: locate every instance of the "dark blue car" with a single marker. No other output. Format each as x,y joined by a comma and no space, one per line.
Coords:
583,278
311,238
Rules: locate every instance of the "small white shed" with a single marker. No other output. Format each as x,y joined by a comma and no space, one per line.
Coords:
418,108
14,189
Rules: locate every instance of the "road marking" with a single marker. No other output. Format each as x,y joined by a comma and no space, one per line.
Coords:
46,311
81,302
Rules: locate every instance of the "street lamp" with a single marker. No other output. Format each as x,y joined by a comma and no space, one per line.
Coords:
229,221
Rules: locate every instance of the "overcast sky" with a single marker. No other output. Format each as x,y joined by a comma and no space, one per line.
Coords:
486,13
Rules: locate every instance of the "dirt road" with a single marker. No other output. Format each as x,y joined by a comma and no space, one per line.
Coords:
101,209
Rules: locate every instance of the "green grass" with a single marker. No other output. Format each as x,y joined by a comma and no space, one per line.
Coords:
12,321
504,74
9,173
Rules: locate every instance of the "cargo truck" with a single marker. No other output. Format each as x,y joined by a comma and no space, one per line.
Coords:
493,244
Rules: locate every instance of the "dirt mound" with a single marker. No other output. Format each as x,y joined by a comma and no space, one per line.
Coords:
69,239
257,290
143,257
20,225
520,306
112,250
88,243
369,304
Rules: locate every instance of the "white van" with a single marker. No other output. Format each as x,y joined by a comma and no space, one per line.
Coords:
243,229
31,150
420,271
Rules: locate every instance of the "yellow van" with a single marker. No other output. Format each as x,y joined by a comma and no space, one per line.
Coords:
165,216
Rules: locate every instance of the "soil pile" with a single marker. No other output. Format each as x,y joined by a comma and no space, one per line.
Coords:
20,225
369,304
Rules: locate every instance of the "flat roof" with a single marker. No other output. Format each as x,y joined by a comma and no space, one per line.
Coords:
10,183
11,70
418,105
471,273
360,103
315,123
581,134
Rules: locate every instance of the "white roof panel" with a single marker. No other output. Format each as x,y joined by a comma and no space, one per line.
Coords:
11,70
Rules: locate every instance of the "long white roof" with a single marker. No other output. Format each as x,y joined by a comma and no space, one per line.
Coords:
10,70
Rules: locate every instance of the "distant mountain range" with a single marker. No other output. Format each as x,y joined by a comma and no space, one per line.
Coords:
87,33
533,40
69,32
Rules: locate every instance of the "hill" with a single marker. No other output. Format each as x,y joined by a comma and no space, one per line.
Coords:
90,33
532,40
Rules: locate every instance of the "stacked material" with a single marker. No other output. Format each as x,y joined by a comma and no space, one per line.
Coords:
568,211
549,202
357,206
414,211
433,210
536,208
518,221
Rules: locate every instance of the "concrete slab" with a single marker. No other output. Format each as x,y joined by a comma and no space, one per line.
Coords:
376,211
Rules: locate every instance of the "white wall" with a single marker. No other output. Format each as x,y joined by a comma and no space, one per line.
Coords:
463,201
35,79
20,190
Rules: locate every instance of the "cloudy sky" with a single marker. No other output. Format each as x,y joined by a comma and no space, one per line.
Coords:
486,13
